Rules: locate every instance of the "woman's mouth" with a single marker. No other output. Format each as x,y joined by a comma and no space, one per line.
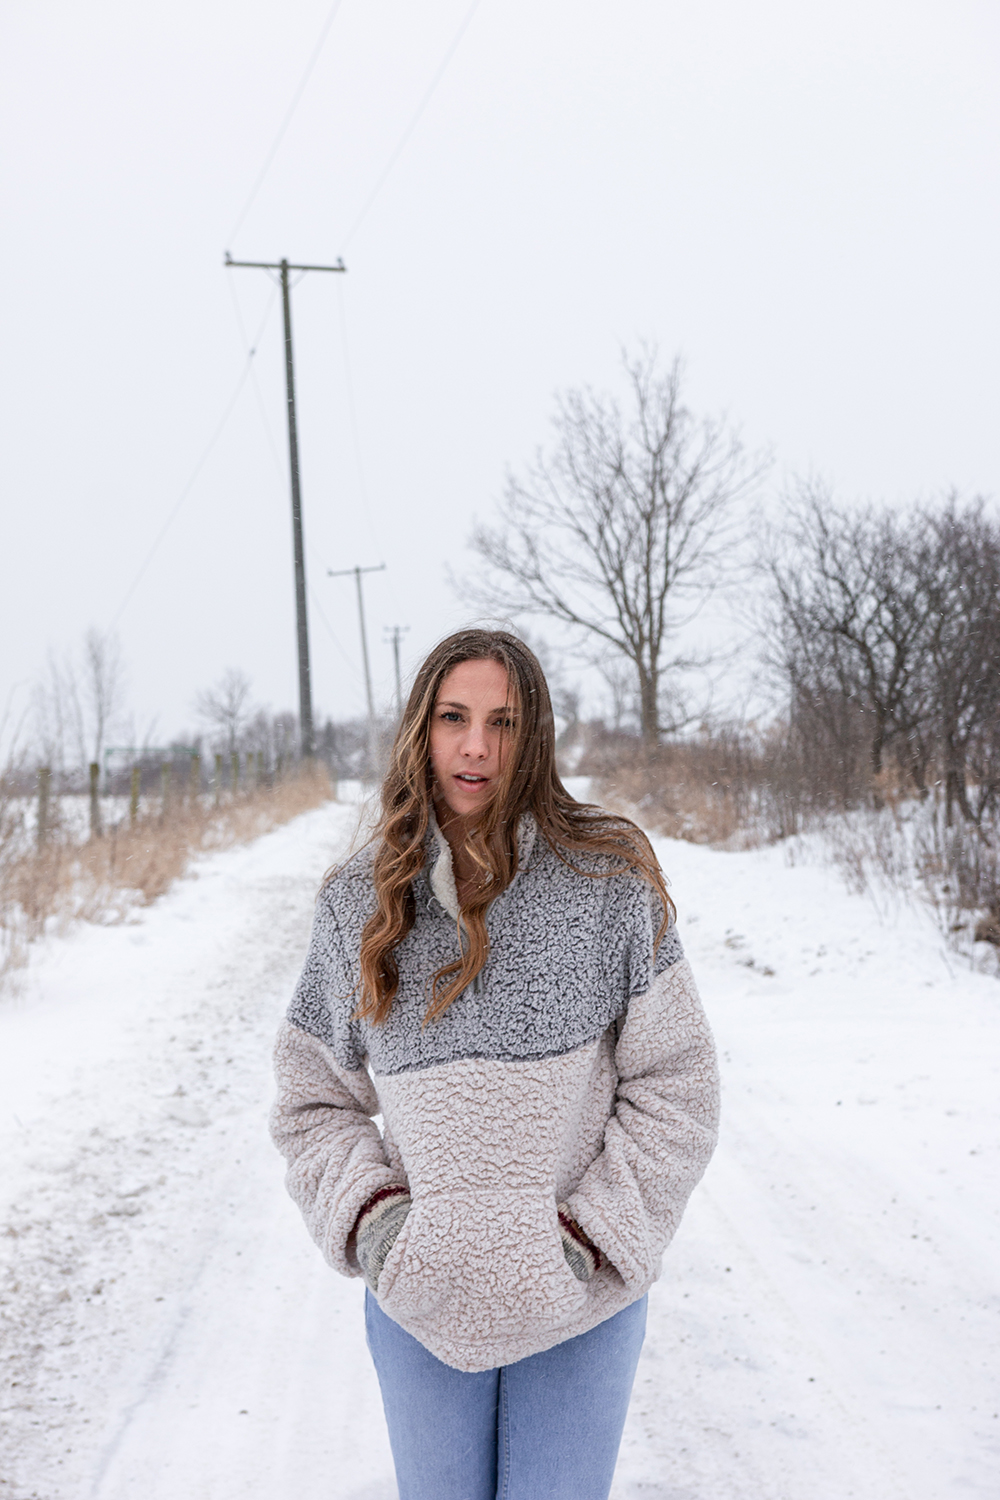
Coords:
468,779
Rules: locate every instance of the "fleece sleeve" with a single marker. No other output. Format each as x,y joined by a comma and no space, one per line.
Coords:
322,1124
661,1135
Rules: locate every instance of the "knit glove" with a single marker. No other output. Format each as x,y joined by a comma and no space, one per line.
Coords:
376,1230
582,1255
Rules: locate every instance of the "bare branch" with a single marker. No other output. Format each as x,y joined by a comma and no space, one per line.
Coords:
622,527
226,707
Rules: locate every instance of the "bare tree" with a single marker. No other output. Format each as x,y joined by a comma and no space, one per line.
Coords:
51,711
620,680
853,609
620,530
102,684
80,701
887,630
226,707
960,559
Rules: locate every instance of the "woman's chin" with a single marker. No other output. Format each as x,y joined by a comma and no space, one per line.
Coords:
466,803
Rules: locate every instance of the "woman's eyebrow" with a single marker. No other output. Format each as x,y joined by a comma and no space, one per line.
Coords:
451,703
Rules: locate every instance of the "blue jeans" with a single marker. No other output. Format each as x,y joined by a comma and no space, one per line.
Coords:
545,1428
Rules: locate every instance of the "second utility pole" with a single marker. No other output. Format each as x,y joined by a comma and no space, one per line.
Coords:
306,730
372,731
394,634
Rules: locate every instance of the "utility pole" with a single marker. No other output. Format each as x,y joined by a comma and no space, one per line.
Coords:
394,632
357,572
307,732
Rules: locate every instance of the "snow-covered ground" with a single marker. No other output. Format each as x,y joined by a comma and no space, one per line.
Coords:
828,1322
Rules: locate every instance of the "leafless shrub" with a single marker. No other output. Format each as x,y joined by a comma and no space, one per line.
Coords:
12,846
873,849
959,867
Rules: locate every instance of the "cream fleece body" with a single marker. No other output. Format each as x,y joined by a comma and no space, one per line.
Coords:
579,1069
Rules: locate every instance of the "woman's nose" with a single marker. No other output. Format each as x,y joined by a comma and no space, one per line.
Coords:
475,742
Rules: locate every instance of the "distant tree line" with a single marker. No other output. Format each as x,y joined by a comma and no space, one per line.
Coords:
881,627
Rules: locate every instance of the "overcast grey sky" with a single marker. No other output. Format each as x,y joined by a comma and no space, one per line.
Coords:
799,198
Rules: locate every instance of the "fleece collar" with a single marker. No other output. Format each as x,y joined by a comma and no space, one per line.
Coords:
442,875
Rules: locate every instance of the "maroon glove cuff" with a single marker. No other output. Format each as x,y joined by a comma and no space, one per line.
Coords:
582,1255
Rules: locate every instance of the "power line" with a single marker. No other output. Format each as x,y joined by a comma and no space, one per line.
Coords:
352,664
300,90
230,283
272,445
206,451
351,406
352,413
453,47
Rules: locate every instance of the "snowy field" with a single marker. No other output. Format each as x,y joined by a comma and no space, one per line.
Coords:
828,1322
70,814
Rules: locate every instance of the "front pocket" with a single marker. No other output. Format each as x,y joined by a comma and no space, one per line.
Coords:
426,1290
484,1265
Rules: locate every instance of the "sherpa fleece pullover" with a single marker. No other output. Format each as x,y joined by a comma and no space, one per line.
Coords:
577,1068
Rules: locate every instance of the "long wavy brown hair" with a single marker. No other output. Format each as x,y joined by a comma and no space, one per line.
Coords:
528,782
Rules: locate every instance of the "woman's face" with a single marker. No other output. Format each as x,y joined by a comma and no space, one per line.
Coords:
471,728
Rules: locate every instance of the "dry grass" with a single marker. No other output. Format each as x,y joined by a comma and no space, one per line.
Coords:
673,806
722,790
103,879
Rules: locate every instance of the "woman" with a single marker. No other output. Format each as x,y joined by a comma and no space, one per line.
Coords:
498,975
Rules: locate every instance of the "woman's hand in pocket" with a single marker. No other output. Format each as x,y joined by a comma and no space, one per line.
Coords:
582,1255
377,1228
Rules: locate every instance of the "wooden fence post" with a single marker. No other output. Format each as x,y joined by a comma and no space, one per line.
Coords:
194,777
234,771
95,800
164,787
44,795
218,778
133,797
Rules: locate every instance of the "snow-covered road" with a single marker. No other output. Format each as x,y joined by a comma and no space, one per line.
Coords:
828,1324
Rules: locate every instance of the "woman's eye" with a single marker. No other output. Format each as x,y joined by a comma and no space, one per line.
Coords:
451,716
